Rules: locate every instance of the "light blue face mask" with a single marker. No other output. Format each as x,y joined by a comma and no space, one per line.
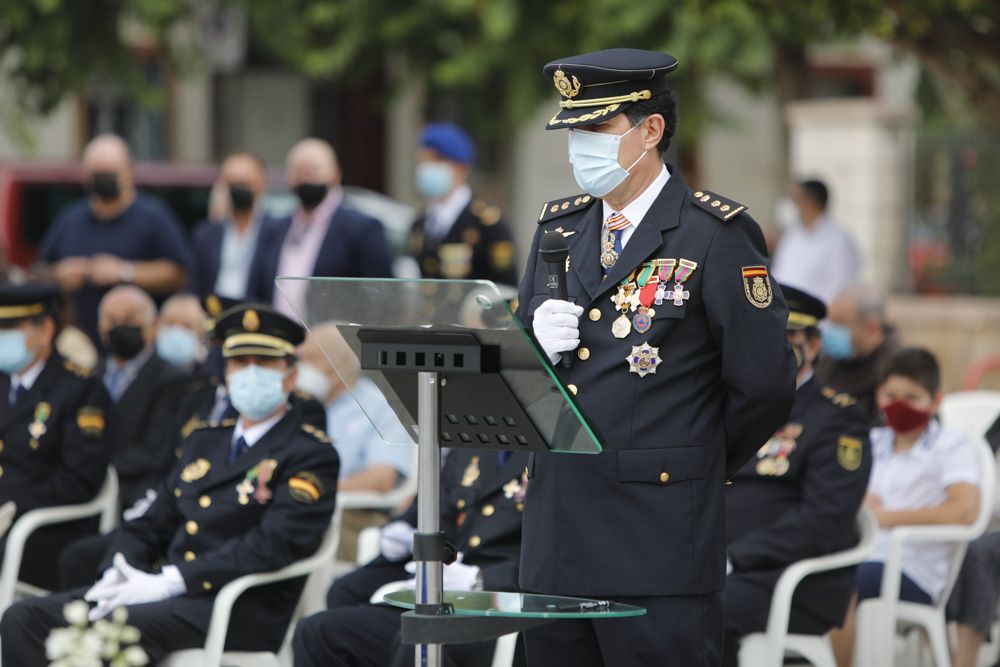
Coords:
256,392
837,341
178,346
14,354
433,179
594,156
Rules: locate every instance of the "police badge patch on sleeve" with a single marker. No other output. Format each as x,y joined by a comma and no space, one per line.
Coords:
849,453
757,286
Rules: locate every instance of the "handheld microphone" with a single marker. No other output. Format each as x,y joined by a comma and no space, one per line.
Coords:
554,249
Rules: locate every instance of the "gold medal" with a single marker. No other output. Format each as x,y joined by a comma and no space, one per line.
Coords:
621,326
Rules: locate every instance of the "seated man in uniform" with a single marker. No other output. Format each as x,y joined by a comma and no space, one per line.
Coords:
482,499
52,445
252,494
797,498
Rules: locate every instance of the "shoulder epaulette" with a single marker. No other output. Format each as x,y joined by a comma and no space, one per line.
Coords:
487,214
304,395
717,205
557,207
225,423
77,369
200,383
316,433
840,399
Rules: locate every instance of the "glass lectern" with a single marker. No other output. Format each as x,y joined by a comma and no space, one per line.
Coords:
457,370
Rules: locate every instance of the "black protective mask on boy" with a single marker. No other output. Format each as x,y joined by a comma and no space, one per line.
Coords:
311,194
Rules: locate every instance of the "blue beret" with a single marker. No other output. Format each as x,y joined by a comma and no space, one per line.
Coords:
450,141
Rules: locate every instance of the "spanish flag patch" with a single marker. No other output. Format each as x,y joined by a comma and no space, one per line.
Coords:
305,487
757,286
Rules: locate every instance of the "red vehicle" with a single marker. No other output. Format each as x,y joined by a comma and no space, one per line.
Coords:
32,194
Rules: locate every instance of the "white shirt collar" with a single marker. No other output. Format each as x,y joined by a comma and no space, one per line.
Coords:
636,210
444,212
253,434
27,378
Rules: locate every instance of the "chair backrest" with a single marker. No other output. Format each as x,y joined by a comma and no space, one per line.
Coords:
970,412
987,489
108,497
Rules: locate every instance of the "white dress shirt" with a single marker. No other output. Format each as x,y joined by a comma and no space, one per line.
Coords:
822,259
442,214
25,378
636,210
920,477
253,434
235,258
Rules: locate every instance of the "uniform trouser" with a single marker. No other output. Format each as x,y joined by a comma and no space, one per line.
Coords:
747,604
354,633
681,631
80,561
27,624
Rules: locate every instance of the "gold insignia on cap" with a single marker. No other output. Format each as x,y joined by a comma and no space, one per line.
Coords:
251,320
214,305
564,85
849,453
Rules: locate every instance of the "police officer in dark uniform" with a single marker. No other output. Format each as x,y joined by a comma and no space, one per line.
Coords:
52,425
679,359
458,236
482,500
249,495
797,498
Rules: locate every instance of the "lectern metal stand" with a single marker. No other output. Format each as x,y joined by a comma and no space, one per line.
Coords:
429,583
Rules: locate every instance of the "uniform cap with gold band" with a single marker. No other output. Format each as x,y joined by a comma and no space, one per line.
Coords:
18,302
600,85
256,329
804,310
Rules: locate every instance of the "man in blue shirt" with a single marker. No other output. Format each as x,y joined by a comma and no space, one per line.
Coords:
114,236
367,461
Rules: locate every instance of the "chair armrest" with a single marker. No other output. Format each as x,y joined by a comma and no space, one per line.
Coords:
370,500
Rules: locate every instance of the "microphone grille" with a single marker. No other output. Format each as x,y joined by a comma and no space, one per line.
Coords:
553,247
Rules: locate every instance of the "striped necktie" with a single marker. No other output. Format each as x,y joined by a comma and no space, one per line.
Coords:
611,239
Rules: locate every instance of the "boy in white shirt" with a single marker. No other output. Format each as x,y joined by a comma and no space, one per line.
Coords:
922,474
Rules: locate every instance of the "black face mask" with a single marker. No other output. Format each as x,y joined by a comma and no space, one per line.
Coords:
104,184
241,198
311,194
125,341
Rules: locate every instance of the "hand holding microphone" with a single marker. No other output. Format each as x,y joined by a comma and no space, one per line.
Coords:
556,323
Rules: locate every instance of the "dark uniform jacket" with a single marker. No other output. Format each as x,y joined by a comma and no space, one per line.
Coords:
481,509
355,246
206,248
798,498
53,447
478,246
217,522
646,516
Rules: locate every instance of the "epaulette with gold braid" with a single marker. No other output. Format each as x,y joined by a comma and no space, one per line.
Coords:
717,205
558,207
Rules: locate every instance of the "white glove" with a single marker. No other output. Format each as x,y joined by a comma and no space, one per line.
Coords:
109,580
396,542
140,506
457,577
556,325
137,587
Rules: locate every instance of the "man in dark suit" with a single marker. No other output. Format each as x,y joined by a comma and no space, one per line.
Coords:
252,494
482,500
797,498
53,449
323,238
457,237
223,250
680,362
144,390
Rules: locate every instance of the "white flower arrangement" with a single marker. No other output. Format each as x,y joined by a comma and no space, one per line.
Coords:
111,643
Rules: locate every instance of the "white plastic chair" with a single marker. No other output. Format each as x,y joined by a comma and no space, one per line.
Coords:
768,649
503,653
970,412
104,504
878,618
212,655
